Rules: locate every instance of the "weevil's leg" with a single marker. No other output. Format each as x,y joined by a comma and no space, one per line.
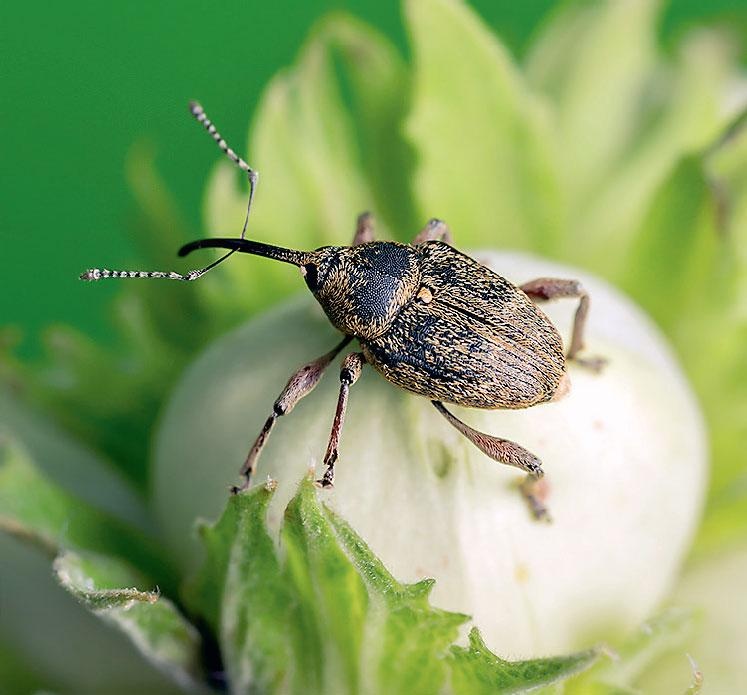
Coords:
544,289
435,230
364,229
199,113
508,452
349,373
298,386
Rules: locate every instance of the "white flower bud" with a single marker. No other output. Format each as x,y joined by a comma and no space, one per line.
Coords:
624,455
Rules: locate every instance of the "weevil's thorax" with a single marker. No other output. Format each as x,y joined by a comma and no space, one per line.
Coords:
363,288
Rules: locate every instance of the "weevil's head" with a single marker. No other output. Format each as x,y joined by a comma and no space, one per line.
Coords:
362,288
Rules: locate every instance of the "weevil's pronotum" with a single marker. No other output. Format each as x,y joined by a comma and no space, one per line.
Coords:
428,318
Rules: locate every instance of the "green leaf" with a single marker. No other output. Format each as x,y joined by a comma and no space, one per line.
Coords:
67,462
324,615
623,121
304,145
36,510
242,593
16,675
476,670
593,60
152,623
487,160
621,672
673,257
379,85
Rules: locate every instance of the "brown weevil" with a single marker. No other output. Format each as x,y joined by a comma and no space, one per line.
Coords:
428,318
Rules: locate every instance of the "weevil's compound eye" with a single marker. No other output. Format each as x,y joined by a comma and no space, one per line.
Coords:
309,272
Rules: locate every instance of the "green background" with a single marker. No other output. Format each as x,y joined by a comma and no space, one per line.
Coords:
83,81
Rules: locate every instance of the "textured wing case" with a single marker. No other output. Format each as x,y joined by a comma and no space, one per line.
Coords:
472,339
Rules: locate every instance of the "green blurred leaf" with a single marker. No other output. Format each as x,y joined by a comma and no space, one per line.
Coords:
623,120
620,673
153,623
487,156
379,84
325,615
16,675
476,670
593,60
107,397
305,147
672,259
36,510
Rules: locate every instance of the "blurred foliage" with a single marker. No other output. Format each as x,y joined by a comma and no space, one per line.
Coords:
599,150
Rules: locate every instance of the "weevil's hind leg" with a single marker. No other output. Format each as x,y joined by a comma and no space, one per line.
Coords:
351,369
298,386
364,229
510,453
544,289
435,230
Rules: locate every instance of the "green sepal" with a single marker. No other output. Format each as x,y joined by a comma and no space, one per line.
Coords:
161,634
476,670
322,614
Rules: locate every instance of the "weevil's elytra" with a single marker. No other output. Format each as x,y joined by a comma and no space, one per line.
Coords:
430,319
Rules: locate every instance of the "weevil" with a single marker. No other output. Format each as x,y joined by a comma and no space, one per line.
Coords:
430,319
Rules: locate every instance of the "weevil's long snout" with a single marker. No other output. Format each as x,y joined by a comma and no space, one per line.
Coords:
255,248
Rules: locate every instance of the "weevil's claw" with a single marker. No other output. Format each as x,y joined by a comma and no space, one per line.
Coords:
324,484
236,489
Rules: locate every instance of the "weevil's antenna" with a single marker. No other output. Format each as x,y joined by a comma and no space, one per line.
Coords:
256,248
199,113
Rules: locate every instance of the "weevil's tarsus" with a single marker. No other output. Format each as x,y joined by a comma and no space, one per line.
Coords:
364,229
351,369
534,491
303,382
435,230
545,289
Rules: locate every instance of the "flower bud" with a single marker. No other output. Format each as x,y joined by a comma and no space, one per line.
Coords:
624,455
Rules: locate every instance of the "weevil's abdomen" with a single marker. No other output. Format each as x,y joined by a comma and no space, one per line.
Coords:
469,337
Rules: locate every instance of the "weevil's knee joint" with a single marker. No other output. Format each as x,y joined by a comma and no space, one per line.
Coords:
564,386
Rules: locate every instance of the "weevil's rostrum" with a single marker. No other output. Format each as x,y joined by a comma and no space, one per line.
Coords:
428,318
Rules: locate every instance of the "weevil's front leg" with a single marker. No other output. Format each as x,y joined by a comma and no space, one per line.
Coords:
349,373
510,453
544,289
298,386
435,230
364,229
